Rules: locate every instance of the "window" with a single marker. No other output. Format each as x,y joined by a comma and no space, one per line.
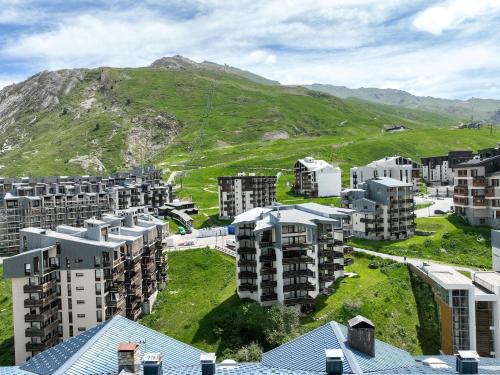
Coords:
99,315
81,329
69,290
80,301
70,303
98,302
70,331
97,261
97,275
68,276
70,316
78,260
80,288
98,288
79,274
27,268
80,315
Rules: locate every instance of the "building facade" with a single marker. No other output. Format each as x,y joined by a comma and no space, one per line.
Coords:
317,178
238,194
438,170
289,254
47,202
476,192
70,279
396,167
383,209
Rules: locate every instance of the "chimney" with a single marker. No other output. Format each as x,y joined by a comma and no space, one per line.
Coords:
152,364
467,362
128,358
207,361
361,335
334,361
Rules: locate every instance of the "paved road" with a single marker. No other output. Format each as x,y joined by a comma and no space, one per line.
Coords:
414,261
443,204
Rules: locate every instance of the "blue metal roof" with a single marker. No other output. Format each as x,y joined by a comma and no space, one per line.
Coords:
95,352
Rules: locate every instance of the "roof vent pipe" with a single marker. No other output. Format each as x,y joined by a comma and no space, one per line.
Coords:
207,361
334,361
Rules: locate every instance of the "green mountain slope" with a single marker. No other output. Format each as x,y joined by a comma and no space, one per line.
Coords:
183,115
481,109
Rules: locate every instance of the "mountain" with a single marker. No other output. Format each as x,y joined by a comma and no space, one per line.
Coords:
182,113
487,110
183,63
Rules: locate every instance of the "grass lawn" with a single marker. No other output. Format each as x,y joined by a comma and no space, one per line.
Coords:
453,242
202,288
423,205
6,324
390,299
202,282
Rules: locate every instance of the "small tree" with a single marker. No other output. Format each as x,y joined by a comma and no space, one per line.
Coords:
249,353
283,322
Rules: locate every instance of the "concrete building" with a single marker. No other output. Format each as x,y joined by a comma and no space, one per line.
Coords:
47,202
476,193
121,346
438,170
383,209
70,279
241,193
289,254
317,178
396,167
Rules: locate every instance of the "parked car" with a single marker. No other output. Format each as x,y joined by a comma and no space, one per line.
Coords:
440,212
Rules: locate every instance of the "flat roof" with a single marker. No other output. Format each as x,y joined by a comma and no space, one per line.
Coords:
447,276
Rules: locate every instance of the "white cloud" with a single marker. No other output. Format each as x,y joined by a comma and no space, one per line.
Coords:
353,43
453,13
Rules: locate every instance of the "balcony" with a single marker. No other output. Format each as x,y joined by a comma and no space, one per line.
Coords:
267,258
246,250
247,262
45,301
268,284
299,286
267,271
478,182
326,277
348,261
245,237
348,249
296,246
44,345
117,303
40,288
268,297
42,317
489,192
41,332
305,300
247,288
479,201
266,244
300,259
248,275
298,273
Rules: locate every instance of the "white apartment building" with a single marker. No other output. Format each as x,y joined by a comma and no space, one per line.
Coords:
70,279
243,192
289,254
383,209
317,178
396,167
476,193
438,170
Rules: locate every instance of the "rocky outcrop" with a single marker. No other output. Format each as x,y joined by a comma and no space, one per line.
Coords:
89,163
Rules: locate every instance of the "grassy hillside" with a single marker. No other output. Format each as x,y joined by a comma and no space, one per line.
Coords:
206,117
6,324
453,241
202,288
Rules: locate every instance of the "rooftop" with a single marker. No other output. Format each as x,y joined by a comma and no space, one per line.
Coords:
95,352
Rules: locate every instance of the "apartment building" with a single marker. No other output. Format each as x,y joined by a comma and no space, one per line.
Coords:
289,254
69,279
238,194
47,202
476,193
438,170
383,209
317,178
396,167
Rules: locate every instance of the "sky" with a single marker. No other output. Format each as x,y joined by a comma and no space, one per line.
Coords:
447,48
